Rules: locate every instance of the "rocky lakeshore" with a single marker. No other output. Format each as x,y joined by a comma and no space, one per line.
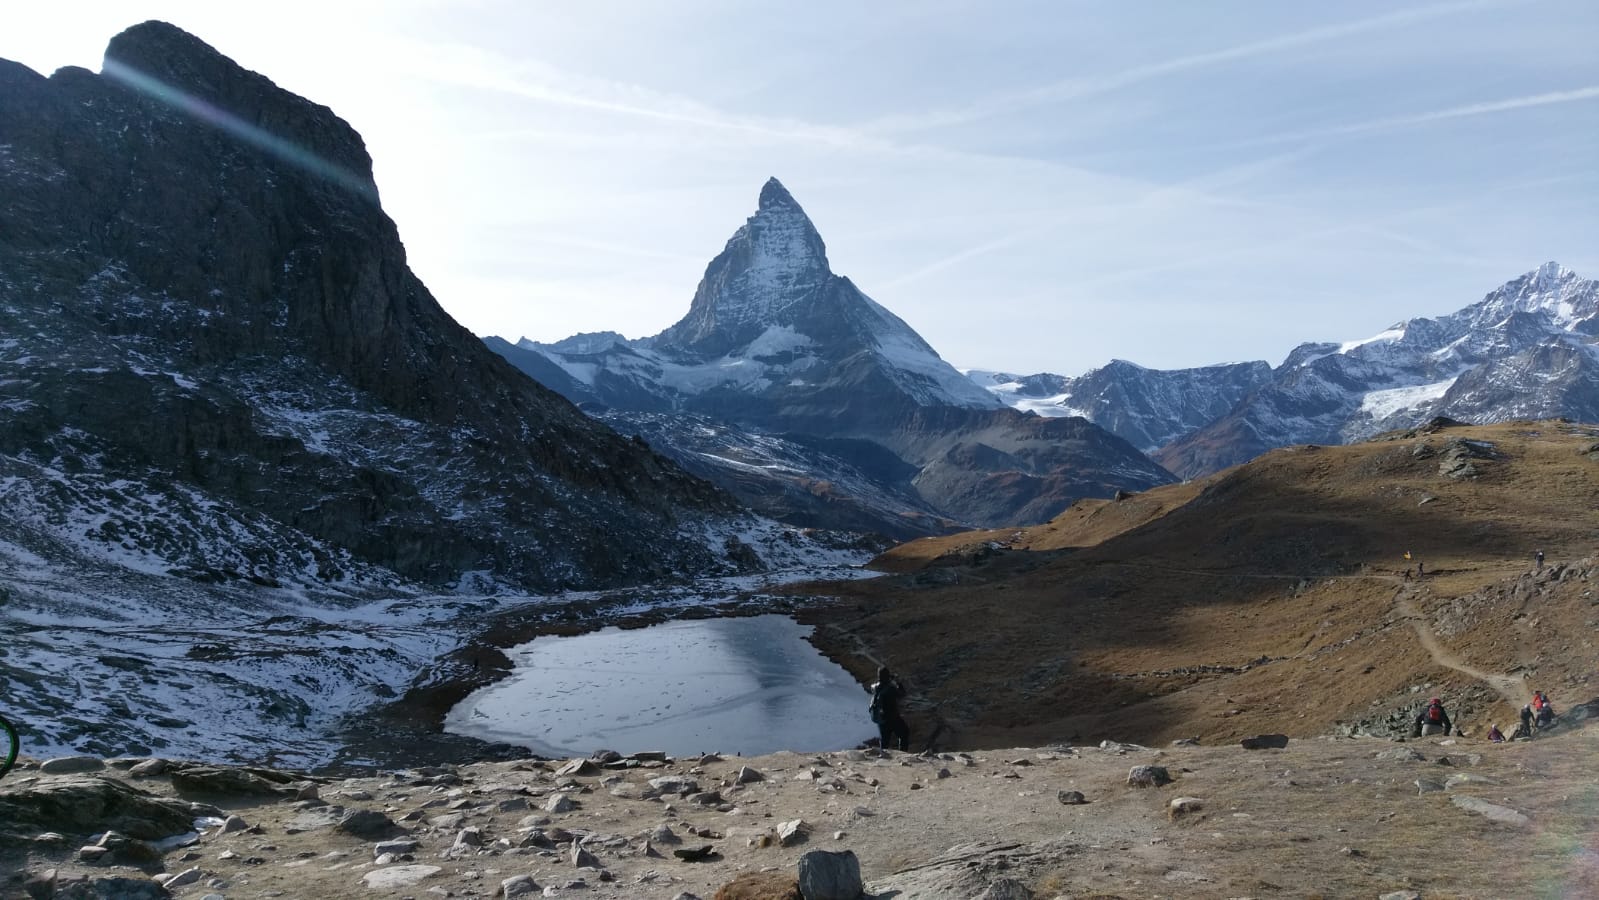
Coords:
1323,817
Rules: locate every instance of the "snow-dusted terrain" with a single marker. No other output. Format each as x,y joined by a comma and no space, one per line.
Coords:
106,658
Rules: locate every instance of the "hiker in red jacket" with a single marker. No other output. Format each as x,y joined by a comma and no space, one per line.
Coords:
1432,719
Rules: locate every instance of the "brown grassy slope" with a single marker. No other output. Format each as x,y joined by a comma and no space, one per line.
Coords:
1269,597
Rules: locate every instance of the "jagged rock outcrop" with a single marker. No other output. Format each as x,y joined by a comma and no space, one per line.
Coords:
217,363
777,344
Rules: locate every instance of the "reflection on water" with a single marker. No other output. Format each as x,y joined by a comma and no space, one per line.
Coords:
750,685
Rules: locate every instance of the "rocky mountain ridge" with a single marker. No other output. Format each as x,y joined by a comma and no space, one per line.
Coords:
203,308
774,343
1528,350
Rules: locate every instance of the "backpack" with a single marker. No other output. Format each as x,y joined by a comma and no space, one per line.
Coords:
1435,714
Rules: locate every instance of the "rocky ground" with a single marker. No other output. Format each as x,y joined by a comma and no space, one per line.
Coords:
1333,817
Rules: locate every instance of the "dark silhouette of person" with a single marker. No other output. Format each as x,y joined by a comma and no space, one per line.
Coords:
1524,730
886,694
1538,558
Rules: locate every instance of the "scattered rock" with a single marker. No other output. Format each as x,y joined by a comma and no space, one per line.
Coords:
396,847
365,823
209,780
71,765
1148,776
149,768
694,854
559,803
675,784
518,886
578,767
1428,785
793,832
1399,895
181,879
828,875
761,886
1071,798
747,775
1182,807
1265,742
398,876
582,858
234,823
1492,811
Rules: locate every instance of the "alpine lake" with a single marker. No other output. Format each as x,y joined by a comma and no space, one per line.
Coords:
749,686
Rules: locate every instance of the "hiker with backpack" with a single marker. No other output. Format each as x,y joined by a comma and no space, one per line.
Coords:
886,694
1523,730
1543,712
1432,719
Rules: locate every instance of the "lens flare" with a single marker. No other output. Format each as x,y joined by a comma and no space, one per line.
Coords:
225,121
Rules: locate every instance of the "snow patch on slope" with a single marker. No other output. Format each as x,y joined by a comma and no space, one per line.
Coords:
1385,403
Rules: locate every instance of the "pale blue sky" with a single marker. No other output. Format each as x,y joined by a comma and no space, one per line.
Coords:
1034,186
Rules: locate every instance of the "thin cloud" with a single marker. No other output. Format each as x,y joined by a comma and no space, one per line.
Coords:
1411,120
1076,88
1198,190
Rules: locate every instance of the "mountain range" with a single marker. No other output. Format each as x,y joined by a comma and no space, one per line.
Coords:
775,345
1528,350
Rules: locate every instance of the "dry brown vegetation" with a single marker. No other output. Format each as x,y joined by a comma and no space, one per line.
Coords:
1269,597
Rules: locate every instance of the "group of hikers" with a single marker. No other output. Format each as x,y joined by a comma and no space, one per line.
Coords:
1539,715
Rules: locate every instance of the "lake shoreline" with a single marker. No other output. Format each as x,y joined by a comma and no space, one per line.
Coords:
411,728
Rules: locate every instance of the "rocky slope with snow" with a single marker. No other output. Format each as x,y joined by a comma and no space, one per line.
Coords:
217,363
1528,350
774,342
1149,408
252,477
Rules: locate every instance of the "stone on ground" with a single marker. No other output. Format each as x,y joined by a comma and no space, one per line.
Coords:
760,886
825,875
365,823
1148,776
398,876
71,765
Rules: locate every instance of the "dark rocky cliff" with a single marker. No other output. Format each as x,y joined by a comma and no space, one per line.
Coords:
199,292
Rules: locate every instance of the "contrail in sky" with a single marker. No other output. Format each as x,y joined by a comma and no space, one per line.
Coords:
1091,85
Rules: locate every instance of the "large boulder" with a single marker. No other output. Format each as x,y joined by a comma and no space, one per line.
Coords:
86,804
825,875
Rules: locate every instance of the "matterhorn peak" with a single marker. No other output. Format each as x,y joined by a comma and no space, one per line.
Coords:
775,196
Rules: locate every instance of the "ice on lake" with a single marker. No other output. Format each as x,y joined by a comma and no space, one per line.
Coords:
738,685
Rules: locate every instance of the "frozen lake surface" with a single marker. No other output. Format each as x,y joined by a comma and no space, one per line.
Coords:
743,685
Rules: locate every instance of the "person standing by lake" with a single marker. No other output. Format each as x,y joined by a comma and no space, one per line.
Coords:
886,694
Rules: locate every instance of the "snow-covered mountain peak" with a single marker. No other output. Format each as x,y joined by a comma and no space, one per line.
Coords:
775,196
777,250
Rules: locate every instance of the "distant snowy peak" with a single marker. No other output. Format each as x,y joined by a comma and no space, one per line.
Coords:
1147,407
1525,350
1522,312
